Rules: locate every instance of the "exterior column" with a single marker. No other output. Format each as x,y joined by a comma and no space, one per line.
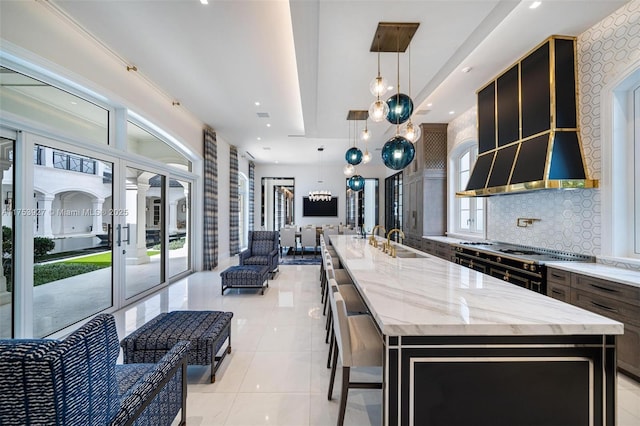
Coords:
96,205
173,216
137,254
45,217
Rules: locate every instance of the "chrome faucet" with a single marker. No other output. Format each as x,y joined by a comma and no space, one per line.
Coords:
391,250
372,237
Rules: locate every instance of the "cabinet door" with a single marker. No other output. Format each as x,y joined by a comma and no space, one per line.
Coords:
628,347
558,291
559,276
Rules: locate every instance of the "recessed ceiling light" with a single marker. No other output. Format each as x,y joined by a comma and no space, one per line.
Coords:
257,103
276,161
204,1
268,124
389,87
451,112
259,138
429,104
535,4
74,103
466,69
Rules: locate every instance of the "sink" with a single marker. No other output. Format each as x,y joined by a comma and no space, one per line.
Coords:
408,254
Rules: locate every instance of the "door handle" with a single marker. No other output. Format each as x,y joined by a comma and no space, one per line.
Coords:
128,228
118,235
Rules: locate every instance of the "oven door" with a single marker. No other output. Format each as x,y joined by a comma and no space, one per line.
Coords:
511,277
474,264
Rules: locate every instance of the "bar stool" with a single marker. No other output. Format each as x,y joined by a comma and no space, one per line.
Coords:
358,343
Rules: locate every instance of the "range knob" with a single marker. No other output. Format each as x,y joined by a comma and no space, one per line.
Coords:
525,266
477,254
533,268
498,259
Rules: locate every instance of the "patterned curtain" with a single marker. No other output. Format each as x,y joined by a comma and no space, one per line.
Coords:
234,209
210,249
252,186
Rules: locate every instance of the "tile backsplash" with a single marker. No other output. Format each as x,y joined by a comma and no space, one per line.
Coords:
569,219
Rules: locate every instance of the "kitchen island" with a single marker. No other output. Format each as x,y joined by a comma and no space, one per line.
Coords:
464,348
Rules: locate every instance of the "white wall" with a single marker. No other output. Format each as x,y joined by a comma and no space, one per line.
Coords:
306,180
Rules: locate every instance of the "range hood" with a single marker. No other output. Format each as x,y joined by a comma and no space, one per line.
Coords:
528,132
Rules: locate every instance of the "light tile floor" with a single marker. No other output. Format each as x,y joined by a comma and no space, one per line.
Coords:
276,373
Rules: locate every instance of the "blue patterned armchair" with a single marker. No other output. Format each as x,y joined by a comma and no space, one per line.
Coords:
76,381
263,249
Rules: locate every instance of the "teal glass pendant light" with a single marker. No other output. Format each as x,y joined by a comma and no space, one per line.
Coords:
353,156
356,183
398,153
400,108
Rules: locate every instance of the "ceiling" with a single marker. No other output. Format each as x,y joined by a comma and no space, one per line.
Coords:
307,62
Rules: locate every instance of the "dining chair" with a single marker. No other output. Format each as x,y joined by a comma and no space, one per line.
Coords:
308,239
288,239
358,343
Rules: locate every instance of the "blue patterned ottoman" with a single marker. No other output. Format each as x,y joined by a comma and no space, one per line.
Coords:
245,276
206,330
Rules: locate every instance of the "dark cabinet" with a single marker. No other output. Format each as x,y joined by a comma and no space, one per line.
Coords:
614,300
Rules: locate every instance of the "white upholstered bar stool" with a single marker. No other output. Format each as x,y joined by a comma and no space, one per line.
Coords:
358,344
354,303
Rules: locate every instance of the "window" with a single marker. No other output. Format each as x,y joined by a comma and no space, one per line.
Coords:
621,169
65,161
468,212
636,168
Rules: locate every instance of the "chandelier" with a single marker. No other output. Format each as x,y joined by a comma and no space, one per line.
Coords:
322,194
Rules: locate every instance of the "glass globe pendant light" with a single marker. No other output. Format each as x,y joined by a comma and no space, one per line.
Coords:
365,135
366,157
353,154
411,131
378,110
378,85
356,183
400,105
398,152
348,170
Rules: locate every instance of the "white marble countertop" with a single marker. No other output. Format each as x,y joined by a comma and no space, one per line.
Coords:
598,270
429,296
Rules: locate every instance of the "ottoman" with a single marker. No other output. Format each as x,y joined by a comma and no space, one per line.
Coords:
245,276
206,330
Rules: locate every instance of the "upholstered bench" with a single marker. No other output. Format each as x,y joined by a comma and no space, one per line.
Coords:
245,276
206,330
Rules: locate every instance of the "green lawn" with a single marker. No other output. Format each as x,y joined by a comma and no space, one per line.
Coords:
101,258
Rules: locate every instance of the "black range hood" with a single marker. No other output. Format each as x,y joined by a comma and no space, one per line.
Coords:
528,132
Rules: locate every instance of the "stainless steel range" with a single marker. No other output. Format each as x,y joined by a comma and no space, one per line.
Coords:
520,265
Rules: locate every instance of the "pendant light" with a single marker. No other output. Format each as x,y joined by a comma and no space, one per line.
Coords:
365,136
400,105
353,154
411,131
356,183
379,109
348,169
398,152
378,85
